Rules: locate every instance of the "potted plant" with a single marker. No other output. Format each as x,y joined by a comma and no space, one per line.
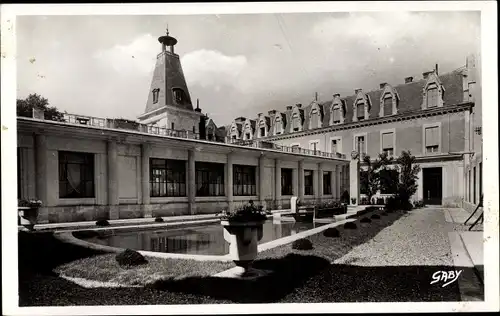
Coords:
243,230
28,212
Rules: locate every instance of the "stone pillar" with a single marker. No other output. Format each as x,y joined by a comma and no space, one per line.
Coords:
333,179
354,181
262,180
277,183
41,177
191,183
146,194
338,180
301,181
229,182
319,192
295,181
113,198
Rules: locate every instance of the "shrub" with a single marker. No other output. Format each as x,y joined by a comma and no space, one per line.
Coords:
246,213
331,232
350,225
353,200
130,257
384,214
375,216
302,244
365,220
380,201
345,197
159,219
418,204
102,222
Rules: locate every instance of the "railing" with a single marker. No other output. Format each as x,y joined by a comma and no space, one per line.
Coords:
156,130
287,149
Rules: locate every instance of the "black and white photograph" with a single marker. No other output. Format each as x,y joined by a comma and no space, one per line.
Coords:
243,157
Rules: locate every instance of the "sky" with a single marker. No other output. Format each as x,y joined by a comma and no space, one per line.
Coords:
235,64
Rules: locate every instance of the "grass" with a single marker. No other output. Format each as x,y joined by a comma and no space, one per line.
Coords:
104,268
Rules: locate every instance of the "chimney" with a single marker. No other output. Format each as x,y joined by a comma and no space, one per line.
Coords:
426,74
197,105
336,95
357,90
288,107
408,79
315,96
260,114
382,85
437,72
272,112
299,105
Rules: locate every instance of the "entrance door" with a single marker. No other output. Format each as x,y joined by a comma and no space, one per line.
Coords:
433,185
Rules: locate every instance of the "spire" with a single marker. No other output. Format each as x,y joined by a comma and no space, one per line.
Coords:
167,40
198,106
316,96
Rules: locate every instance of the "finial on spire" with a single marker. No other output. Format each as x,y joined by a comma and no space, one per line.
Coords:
316,96
167,29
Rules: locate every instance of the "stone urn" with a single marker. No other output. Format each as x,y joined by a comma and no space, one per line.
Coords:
28,216
243,238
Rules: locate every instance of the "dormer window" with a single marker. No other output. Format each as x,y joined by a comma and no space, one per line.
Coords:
155,95
360,109
336,115
337,110
315,116
296,122
432,97
179,96
262,132
433,92
389,99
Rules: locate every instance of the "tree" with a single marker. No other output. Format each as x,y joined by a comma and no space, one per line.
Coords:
370,178
34,101
408,176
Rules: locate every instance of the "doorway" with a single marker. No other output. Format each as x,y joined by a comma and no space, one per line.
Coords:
433,185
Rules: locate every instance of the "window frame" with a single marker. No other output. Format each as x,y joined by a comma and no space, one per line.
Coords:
308,185
286,189
355,142
88,158
327,184
339,143
156,93
177,179
424,145
215,173
388,131
245,172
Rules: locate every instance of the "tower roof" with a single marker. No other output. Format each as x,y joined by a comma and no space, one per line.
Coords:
167,40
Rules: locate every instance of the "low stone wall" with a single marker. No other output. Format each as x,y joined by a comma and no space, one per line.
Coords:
469,207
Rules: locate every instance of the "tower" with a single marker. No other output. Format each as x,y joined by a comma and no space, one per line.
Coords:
169,102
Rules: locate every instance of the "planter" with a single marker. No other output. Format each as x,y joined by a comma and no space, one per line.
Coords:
28,216
243,238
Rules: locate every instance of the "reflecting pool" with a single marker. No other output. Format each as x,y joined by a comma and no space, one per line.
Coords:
199,240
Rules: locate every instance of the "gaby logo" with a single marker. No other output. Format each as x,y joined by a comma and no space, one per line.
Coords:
447,277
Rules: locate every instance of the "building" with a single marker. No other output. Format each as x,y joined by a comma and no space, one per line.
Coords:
437,118
88,168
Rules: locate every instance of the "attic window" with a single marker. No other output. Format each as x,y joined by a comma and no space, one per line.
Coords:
336,115
388,105
155,95
432,97
262,132
314,119
296,123
179,95
360,107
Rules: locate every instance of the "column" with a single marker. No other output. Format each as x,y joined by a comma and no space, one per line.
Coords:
229,181
338,180
113,198
191,184
277,183
41,177
295,181
146,195
319,192
301,181
333,179
262,177
354,181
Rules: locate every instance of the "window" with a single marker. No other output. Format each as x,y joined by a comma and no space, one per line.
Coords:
194,129
474,188
244,183
296,123
336,115
286,182
388,106
209,179
247,135
314,123
308,182
233,137
155,95
360,145
361,111
179,95
262,132
278,125
172,125
432,97
432,139
76,175
168,177
388,143
334,146
313,145
327,183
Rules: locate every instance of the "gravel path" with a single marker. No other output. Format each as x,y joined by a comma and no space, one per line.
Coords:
419,238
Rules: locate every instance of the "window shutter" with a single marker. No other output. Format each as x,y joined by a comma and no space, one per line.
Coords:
432,136
361,110
336,115
387,140
388,106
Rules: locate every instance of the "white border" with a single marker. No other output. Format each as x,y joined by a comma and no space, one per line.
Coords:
489,53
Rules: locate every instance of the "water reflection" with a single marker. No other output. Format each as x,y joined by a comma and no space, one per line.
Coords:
202,240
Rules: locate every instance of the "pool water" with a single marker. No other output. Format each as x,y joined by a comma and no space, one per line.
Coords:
199,240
